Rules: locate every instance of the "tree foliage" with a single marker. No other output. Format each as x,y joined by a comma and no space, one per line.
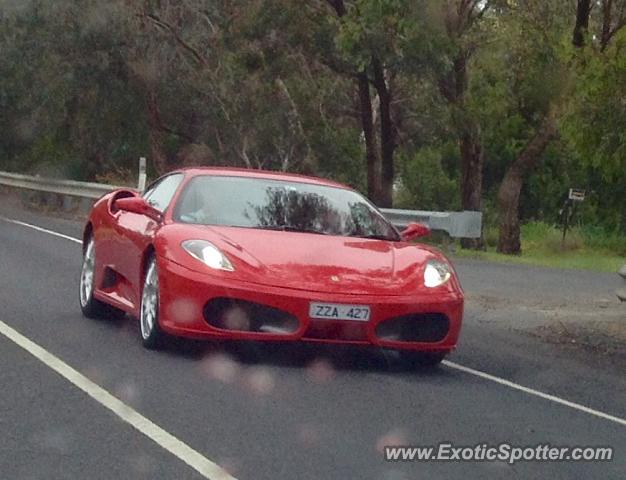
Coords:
433,104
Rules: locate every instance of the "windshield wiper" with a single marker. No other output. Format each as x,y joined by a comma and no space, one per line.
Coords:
287,228
375,237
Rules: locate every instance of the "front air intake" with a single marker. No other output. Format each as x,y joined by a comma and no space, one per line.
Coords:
243,316
416,327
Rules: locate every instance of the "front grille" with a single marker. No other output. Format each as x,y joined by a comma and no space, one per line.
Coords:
241,315
416,327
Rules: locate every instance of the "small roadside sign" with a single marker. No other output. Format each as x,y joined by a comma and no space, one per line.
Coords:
576,194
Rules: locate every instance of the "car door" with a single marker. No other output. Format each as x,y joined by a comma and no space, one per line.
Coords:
134,232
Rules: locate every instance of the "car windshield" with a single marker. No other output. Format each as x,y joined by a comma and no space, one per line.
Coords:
280,205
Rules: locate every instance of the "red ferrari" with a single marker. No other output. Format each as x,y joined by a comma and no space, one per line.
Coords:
251,255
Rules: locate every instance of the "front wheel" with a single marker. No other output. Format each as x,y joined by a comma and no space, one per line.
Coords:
91,307
413,359
151,334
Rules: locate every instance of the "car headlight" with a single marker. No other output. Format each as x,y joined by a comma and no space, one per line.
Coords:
436,273
208,254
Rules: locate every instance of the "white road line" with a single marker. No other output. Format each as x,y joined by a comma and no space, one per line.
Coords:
184,452
537,393
39,229
456,366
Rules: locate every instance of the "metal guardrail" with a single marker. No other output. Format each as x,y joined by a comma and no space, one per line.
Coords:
465,224
60,187
457,224
621,293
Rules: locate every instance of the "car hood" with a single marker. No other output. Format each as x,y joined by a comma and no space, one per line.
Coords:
319,263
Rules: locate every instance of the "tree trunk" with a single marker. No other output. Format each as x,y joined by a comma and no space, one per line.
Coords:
509,241
508,204
471,180
511,186
453,88
371,150
583,10
387,136
607,6
611,25
157,150
375,190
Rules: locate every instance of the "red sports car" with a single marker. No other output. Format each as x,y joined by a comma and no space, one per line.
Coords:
251,255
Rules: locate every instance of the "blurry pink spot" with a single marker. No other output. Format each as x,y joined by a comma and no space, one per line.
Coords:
220,367
393,438
308,434
127,392
236,318
320,370
95,374
143,464
229,465
59,441
260,381
184,311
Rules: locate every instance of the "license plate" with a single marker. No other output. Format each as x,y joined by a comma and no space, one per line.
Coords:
333,311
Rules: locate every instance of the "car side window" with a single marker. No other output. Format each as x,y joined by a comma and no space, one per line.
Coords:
161,193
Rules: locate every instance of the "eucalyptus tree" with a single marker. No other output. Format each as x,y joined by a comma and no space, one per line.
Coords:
69,109
231,82
550,61
536,77
464,26
595,122
363,30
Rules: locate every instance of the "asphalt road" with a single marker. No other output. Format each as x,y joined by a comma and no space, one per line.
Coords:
321,417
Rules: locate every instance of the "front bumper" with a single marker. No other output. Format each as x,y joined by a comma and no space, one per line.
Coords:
185,293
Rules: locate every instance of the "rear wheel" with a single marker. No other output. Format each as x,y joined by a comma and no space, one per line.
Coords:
90,307
151,334
421,359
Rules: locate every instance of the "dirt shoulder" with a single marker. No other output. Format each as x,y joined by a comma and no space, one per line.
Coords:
573,308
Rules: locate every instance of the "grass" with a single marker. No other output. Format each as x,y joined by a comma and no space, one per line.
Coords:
589,248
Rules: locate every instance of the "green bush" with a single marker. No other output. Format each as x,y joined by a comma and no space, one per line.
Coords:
425,184
534,235
599,238
541,236
555,243
491,234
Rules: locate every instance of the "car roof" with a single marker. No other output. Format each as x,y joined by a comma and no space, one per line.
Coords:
263,174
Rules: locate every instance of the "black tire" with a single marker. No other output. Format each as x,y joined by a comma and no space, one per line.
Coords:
152,336
412,359
91,307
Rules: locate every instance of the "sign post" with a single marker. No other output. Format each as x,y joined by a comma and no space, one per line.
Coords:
575,196
141,183
621,293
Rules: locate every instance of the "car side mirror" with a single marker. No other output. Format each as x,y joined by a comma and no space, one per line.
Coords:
139,206
413,231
